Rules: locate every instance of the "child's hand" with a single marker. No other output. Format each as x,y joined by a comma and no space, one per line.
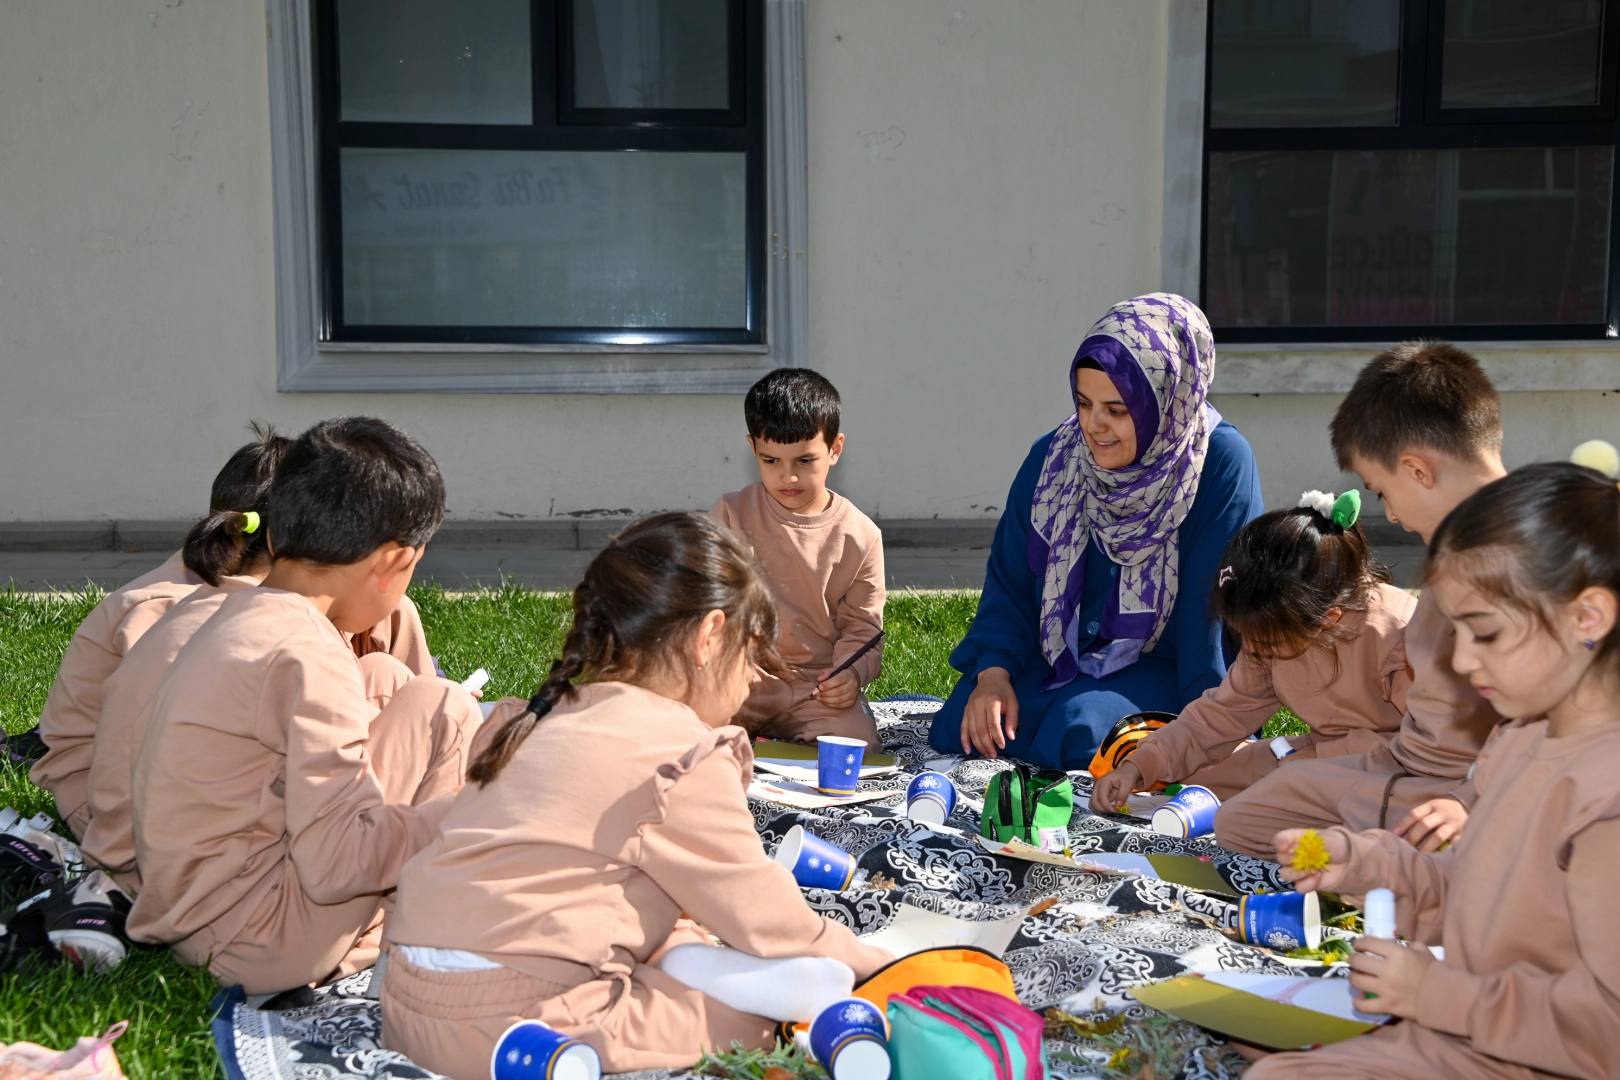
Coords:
1115,787
839,692
1338,849
1432,824
1390,970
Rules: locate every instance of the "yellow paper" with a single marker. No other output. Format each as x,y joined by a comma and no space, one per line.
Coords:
782,750
1192,872
1244,1016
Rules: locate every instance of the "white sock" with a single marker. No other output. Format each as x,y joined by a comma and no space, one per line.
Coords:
794,989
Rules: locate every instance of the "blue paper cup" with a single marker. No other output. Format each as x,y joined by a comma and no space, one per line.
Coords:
815,863
1281,921
1190,813
930,797
839,764
532,1051
851,1040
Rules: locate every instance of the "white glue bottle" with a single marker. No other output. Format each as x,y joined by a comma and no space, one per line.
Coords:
1378,917
1281,747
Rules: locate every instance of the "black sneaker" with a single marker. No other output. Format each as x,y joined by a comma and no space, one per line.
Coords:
25,747
23,941
85,922
26,870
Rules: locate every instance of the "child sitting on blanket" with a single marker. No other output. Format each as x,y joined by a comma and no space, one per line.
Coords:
1322,632
1422,426
1528,573
821,557
598,818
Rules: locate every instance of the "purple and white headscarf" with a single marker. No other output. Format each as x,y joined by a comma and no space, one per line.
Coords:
1160,354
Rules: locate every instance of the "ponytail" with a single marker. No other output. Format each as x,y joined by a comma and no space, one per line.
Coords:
232,537
641,598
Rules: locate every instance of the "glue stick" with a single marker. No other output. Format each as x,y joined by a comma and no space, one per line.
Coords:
1282,747
476,680
1378,919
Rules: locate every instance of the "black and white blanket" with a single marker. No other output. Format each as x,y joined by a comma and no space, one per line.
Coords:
1105,934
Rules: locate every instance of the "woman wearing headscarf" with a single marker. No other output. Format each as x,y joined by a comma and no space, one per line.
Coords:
1096,599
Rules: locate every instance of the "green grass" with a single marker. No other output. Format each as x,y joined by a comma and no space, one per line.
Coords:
513,632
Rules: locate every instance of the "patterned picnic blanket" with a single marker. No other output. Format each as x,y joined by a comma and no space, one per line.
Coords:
1105,933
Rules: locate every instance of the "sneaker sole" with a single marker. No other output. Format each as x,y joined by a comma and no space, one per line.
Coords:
91,950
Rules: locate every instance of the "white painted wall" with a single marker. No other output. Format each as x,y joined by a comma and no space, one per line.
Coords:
985,180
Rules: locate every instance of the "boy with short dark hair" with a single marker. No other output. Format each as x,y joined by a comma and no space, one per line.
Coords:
273,803
821,557
1422,427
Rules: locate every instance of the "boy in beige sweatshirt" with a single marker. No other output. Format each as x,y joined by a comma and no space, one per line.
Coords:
272,803
1422,428
821,558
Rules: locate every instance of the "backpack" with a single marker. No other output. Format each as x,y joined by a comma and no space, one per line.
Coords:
959,966
1123,739
1032,805
964,1033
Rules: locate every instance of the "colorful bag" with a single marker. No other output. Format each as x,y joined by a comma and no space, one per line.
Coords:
1123,739
1032,805
957,966
964,1033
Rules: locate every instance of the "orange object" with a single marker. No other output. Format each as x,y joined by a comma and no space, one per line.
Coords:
931,967
1122,739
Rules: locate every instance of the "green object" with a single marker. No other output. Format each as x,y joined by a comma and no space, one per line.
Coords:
1347,509
963,1033
1032,805
1173,789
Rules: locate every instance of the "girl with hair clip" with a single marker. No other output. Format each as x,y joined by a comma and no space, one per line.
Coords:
224,549
601,818
1528,572
1323,633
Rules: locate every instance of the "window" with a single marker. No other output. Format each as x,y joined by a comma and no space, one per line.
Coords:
541,171
1377,169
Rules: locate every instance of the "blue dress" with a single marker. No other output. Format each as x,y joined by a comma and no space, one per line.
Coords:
1060,728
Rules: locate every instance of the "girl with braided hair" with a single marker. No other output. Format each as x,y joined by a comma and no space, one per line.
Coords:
604,819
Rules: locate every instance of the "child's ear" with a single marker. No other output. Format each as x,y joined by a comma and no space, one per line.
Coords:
835,450
1420,469
1596,610
391,560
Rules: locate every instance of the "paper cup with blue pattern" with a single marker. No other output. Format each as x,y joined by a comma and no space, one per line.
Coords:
851,1040
838,764
1189,813
930,798
1281,921
530,1050
814,863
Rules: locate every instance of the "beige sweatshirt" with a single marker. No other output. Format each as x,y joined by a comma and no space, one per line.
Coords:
109,839
255,754
620,811
1352,696
73,708
826,573
1446,721
1523,903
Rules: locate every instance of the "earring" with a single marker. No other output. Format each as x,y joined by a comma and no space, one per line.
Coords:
1589,643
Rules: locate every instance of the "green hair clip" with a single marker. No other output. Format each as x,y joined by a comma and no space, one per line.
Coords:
1347,509
250,521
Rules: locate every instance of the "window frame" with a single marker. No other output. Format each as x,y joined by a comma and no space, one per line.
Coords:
1421,127
555,125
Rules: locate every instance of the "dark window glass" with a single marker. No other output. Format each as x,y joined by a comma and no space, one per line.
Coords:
1517,53
1304,63
650,54
1408,237
435,61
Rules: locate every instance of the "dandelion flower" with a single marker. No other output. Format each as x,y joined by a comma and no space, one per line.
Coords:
1311,854
1119,1058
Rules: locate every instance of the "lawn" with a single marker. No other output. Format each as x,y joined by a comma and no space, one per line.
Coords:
513,632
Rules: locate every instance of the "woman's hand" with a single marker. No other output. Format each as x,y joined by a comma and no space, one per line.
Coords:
1389,973
1432,824
991,702
1338,849
1115,787
840,691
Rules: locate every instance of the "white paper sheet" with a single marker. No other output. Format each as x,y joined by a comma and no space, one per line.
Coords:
804,797
1331,997
1117,861
914,930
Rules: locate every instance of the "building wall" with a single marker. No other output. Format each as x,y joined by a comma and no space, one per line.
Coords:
985,180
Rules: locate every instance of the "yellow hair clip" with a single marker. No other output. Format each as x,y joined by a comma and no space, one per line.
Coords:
250,521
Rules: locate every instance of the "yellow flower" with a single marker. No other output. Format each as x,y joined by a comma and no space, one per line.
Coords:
1311,854
1119,1057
